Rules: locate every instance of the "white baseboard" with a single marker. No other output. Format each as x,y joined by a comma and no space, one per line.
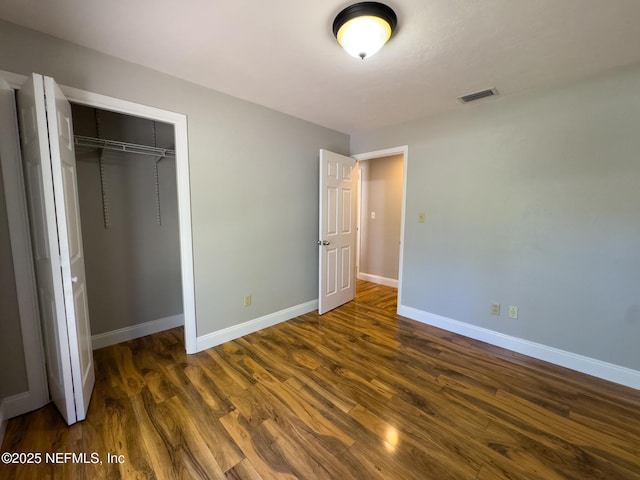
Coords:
227,334
3,420
597,368
136,331
389,282
22,403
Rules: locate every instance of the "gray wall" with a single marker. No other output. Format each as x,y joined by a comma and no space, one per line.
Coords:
380,237
532,201
13,376
253,174
133,267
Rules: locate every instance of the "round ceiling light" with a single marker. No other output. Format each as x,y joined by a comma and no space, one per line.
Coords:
363,28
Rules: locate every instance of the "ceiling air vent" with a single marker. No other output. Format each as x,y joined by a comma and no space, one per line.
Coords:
470,97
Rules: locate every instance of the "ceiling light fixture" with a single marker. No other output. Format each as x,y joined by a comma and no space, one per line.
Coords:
363,28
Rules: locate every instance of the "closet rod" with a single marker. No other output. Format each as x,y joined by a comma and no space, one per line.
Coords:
90,142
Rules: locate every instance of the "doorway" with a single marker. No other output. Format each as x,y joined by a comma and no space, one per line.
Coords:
339,224
179,124
126,178
381,215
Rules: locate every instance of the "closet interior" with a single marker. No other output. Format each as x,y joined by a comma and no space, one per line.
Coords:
127,192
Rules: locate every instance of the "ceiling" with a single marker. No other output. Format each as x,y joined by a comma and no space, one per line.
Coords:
282,53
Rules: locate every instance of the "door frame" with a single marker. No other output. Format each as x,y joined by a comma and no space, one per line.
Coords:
179,122
358,170
387,152
37,393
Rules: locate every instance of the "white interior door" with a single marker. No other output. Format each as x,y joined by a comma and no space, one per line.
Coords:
337,231
50,174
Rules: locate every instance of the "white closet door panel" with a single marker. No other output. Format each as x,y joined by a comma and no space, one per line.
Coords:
37,393
44,229
63,166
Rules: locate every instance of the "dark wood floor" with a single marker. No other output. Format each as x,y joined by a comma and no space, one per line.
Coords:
358,393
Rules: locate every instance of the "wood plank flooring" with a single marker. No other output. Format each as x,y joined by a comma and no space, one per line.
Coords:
359,393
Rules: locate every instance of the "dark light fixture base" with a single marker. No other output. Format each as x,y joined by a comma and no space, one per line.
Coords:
373,9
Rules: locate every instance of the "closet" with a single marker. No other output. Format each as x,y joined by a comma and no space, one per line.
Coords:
98,187
126,175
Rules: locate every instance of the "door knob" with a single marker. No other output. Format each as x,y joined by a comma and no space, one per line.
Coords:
325,242
74,279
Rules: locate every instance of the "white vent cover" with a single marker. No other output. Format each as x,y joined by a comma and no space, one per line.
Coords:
470,97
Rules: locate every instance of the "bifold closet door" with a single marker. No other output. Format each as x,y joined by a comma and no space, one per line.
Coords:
52,193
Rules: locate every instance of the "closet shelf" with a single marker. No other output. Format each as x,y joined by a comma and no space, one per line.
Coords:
90,142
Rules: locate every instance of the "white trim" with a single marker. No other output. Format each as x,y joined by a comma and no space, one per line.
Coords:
14,79
24,402
107,339
573,361
389,282
24,273
18,404
179,122
236,331
388,152
105,102
358,169
3,420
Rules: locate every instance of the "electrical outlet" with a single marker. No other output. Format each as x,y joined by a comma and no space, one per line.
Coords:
513,312
247,300
495,309
421,217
